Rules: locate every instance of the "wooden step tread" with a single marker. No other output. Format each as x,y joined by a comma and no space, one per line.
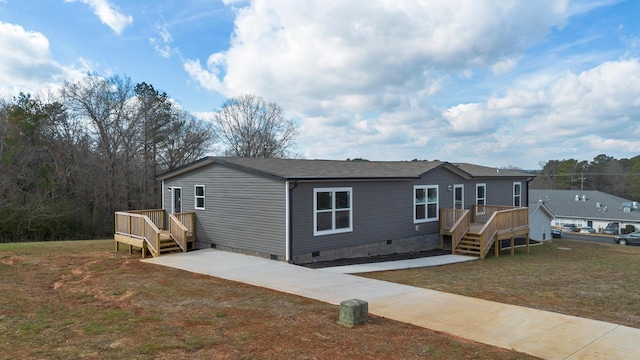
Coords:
169,249
171,244
463,251
466,241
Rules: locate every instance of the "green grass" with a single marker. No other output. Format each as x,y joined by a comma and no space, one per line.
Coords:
597,281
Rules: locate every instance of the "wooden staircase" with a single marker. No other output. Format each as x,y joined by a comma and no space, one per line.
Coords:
146,229
474,232
168,243
469,245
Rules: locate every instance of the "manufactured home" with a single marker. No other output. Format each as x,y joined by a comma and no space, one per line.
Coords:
305,211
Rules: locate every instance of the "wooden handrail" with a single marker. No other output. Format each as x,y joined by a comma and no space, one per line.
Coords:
485,240
459,229
155,215
449,217
138,226
482,213
178,231
509,218
188,219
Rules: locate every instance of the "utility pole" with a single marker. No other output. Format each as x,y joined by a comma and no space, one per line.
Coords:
582,179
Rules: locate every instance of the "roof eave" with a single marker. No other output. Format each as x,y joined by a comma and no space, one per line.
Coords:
186,168
454,169
345,178
250,169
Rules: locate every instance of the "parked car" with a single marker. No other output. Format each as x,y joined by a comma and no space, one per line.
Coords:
555,233
587,229
630,239
612,229
569,228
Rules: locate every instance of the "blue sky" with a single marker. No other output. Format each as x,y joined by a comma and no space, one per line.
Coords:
497,83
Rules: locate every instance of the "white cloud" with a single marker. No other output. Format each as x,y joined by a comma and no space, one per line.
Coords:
363,78
328,51
595,110
163,44
468,118
504,66
26,64
108,14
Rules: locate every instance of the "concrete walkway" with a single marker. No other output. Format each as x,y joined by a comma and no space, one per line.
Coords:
399,264
538,333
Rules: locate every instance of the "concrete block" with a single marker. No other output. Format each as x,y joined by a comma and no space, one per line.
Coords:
353,312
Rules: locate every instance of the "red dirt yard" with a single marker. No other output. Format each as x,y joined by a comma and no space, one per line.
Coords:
81,299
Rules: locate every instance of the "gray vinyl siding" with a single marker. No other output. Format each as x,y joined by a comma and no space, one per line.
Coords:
242,210
500,191
383,210
377,209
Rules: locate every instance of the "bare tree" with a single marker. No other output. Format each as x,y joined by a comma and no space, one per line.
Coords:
69,160
104,105
251,127
187,139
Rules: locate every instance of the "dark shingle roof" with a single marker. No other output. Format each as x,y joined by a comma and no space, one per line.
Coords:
332,169
337,169
484,171
596,204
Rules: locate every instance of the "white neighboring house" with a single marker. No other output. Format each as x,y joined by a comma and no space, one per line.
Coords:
590,208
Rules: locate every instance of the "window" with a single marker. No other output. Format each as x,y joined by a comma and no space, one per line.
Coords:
425,203
199,197
332,210
517,194
481,194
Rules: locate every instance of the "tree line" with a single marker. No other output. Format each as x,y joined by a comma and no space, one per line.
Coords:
69,159
620,177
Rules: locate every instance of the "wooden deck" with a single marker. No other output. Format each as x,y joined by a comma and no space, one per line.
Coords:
146,229
476,231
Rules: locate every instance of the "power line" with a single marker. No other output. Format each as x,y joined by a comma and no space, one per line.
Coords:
590,174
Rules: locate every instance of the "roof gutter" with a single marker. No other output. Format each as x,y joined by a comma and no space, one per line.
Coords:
529,181
289,256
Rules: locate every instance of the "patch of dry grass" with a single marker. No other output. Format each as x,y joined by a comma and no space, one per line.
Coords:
596,281
63,300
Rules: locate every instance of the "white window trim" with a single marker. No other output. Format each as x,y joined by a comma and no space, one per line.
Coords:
514,193
333,210
426,189
196,197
